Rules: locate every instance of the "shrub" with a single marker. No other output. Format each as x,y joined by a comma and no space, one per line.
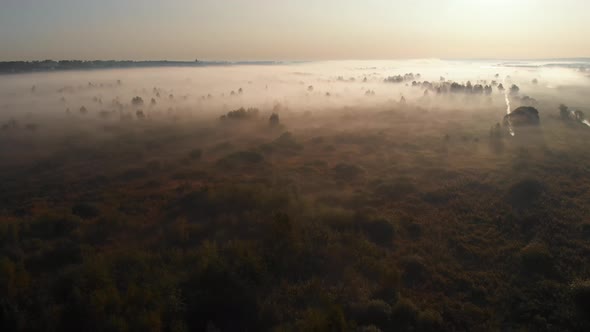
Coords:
287,141
525,193
241,114
53,226
345,171
330,318
195,154
535,258
373,312
414,269
241,158
274,121
429,321
404,315
395,189
580,294
137,101
85,210
379,231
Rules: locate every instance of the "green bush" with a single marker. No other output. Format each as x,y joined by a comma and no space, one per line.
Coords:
429,321
580,294
404,315
379,231
85,210
414,270
525,193
536,258
373,312
344,171
241,158
195,154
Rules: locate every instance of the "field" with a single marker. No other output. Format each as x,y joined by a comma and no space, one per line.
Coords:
350,210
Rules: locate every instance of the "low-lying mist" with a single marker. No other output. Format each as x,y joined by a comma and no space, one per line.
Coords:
434,97
303,87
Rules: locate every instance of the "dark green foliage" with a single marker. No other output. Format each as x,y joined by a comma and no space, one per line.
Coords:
564,112
535,258
134,173
373,312
345,171
330,318
404,315
580,295
273,121
379,230
85,210
525,193
396,189
217,293
241,114
429,321
195,154
414,270
241,158
137,101
287,141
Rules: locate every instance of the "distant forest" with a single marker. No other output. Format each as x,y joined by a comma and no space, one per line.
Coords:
12,67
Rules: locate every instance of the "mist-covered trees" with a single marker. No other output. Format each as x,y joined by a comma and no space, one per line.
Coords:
137,101
570,115
241,114
401,78
273,121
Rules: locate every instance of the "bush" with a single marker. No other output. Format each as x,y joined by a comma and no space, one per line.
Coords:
404,315
85,210
195,154
429,321
287,141
52,226
414,269
345,171
580,294
379,231
274,121
373,312
241,114
137,101
396,189
330,319
241,158
535,258
525,193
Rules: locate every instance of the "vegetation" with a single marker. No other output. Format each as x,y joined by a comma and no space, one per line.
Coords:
194,225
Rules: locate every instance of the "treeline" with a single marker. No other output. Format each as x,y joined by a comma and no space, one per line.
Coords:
11,67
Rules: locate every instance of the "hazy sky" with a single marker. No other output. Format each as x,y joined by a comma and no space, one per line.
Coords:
292,30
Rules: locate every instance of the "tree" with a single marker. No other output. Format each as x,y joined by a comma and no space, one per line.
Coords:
137,101
274,120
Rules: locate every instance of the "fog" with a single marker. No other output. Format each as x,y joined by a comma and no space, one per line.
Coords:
424,98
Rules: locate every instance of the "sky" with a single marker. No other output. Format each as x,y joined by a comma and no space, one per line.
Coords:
293,30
